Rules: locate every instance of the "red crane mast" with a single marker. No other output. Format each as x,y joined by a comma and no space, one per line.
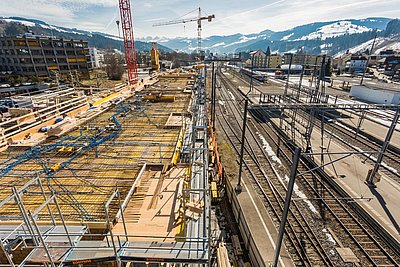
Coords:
129,41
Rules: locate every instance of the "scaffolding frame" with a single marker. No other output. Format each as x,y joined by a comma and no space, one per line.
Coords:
38,234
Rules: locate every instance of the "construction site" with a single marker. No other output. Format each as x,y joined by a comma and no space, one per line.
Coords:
109,180
214,164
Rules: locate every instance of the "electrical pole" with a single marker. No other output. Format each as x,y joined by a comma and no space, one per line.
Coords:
368,59
214,93
369,181
288,77
296,158
251,76
239,186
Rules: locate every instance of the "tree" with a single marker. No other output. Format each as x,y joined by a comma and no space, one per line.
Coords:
268,52
268,57
114,65
393,27
328,67
13,29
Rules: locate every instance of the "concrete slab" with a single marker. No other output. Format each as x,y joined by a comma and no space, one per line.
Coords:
347,255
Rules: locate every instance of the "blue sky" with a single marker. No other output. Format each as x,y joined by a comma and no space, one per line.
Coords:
232,16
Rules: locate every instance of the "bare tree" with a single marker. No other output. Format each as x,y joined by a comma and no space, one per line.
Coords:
114,65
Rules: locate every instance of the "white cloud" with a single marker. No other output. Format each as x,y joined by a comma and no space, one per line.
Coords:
282,15
45,10
232,16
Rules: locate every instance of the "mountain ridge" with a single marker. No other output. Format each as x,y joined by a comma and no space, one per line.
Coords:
281,40
331,37
95,38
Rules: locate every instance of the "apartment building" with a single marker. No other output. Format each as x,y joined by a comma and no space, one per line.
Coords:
32,55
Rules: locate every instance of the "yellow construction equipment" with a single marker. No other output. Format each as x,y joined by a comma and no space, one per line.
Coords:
55,167
155,57
159,98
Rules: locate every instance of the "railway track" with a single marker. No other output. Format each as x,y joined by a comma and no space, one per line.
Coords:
336,212
348,138
346,134
391,160
305,248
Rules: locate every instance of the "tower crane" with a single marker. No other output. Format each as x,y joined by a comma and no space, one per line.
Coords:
129,41
199,18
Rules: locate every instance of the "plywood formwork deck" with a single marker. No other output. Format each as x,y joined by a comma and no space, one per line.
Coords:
88,181
153,211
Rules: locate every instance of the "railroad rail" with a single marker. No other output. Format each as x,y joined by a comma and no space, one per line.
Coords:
346,133
372,246
362,142
305,249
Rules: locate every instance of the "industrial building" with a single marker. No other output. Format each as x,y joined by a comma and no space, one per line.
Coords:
375,95
39,56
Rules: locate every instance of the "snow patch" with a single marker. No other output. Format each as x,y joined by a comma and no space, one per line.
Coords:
232,96
218,44
303,196
335,29
268,149
242,39
23,22
329,236
284,38
363,47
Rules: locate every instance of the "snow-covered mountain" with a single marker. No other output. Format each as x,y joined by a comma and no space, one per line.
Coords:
216,43
330,37
97,39
220,44
381,44
336,29
317,34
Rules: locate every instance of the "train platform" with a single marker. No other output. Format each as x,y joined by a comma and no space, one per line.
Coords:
372,127
257,228
350,173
